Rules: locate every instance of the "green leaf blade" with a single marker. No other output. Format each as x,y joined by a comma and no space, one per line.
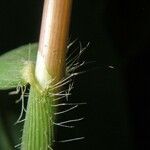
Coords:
12,63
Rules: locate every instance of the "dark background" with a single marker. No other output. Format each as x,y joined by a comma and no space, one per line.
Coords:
117,114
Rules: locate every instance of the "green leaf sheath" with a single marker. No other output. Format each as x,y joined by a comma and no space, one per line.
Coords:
12,63
38,128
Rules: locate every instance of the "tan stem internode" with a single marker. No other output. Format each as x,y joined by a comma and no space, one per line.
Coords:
53,40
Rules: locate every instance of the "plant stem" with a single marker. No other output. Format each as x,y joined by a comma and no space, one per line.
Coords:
53,40
50,66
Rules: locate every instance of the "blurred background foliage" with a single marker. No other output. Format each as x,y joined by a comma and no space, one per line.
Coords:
115,87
